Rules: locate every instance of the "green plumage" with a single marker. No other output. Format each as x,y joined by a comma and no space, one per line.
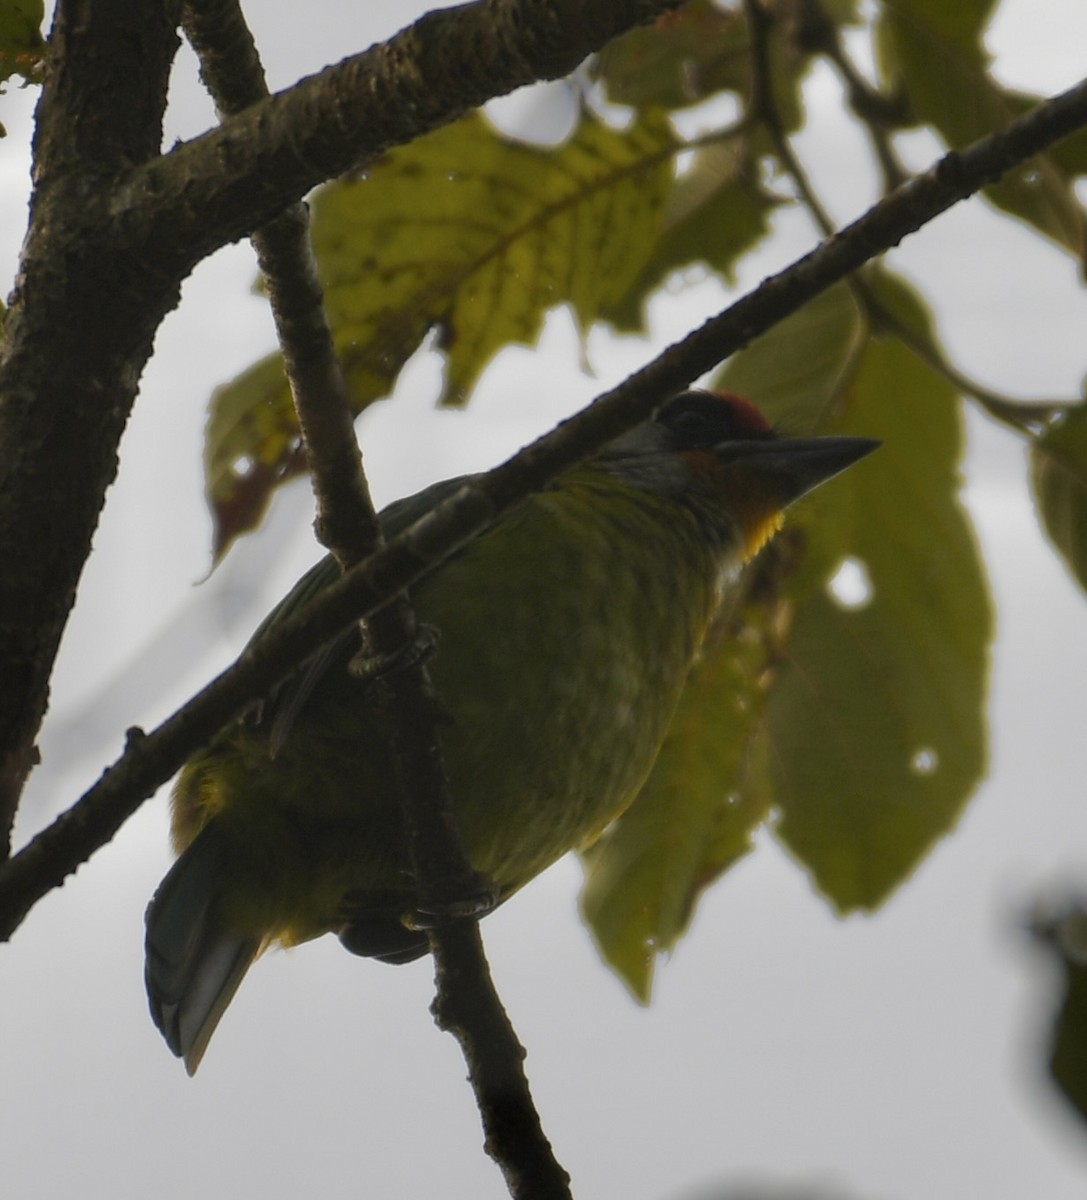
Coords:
565,635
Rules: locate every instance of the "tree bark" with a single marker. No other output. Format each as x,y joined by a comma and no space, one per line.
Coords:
115,227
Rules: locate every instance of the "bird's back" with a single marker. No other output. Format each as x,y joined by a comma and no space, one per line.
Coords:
565,635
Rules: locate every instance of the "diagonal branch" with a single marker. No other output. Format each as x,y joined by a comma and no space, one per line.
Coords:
151,759
220,186
467,1002
115,228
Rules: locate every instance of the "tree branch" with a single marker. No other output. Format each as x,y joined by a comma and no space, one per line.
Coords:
220,186
150,760
1025,416
62,414
467,1003
108,208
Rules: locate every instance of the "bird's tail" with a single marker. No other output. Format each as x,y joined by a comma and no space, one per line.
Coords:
194,960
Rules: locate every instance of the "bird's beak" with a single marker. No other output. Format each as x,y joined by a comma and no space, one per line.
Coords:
792,467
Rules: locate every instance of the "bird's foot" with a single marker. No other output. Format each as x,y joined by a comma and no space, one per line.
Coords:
369,667
435,914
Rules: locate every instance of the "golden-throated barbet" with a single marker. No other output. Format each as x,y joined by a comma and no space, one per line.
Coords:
565,633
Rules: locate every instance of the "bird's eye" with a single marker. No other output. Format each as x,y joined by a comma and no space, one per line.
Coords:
706,418
694,416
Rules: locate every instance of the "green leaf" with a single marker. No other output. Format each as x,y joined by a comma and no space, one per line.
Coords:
21,44
876,725
858,716
692,819
960,24
699,50
716,212
679,60
463,231
934,49
1058,475
799,369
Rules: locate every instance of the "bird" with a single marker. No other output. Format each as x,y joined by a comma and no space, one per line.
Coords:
565,632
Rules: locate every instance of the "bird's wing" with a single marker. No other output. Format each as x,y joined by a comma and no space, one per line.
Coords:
194,962
280,711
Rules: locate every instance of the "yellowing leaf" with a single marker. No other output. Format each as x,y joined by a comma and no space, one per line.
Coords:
715,213
1058,475
479,236
21,44
463,231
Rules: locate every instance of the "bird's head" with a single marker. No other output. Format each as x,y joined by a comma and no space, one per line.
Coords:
717,452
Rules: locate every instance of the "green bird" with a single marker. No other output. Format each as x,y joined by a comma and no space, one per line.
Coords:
566,631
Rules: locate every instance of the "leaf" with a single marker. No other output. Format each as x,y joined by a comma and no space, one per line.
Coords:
716,212
876,725
680,59
252,444
1058,476
690,822
699,50
855,713
21,44
796,371
480,236
875,729
463,231
935,51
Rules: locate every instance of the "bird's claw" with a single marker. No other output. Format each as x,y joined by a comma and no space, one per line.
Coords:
435,915
369,667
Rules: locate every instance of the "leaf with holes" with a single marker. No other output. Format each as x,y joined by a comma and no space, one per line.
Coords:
848,693
710,786
463,231
876,733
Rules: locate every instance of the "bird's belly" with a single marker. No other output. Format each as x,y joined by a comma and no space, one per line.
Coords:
557,715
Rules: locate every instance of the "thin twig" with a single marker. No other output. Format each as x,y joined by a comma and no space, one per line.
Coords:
762,107
1024,416
879,113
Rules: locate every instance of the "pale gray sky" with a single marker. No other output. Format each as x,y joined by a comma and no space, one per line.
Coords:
893,1057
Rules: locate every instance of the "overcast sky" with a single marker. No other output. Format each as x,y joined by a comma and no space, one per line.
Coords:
886,1057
